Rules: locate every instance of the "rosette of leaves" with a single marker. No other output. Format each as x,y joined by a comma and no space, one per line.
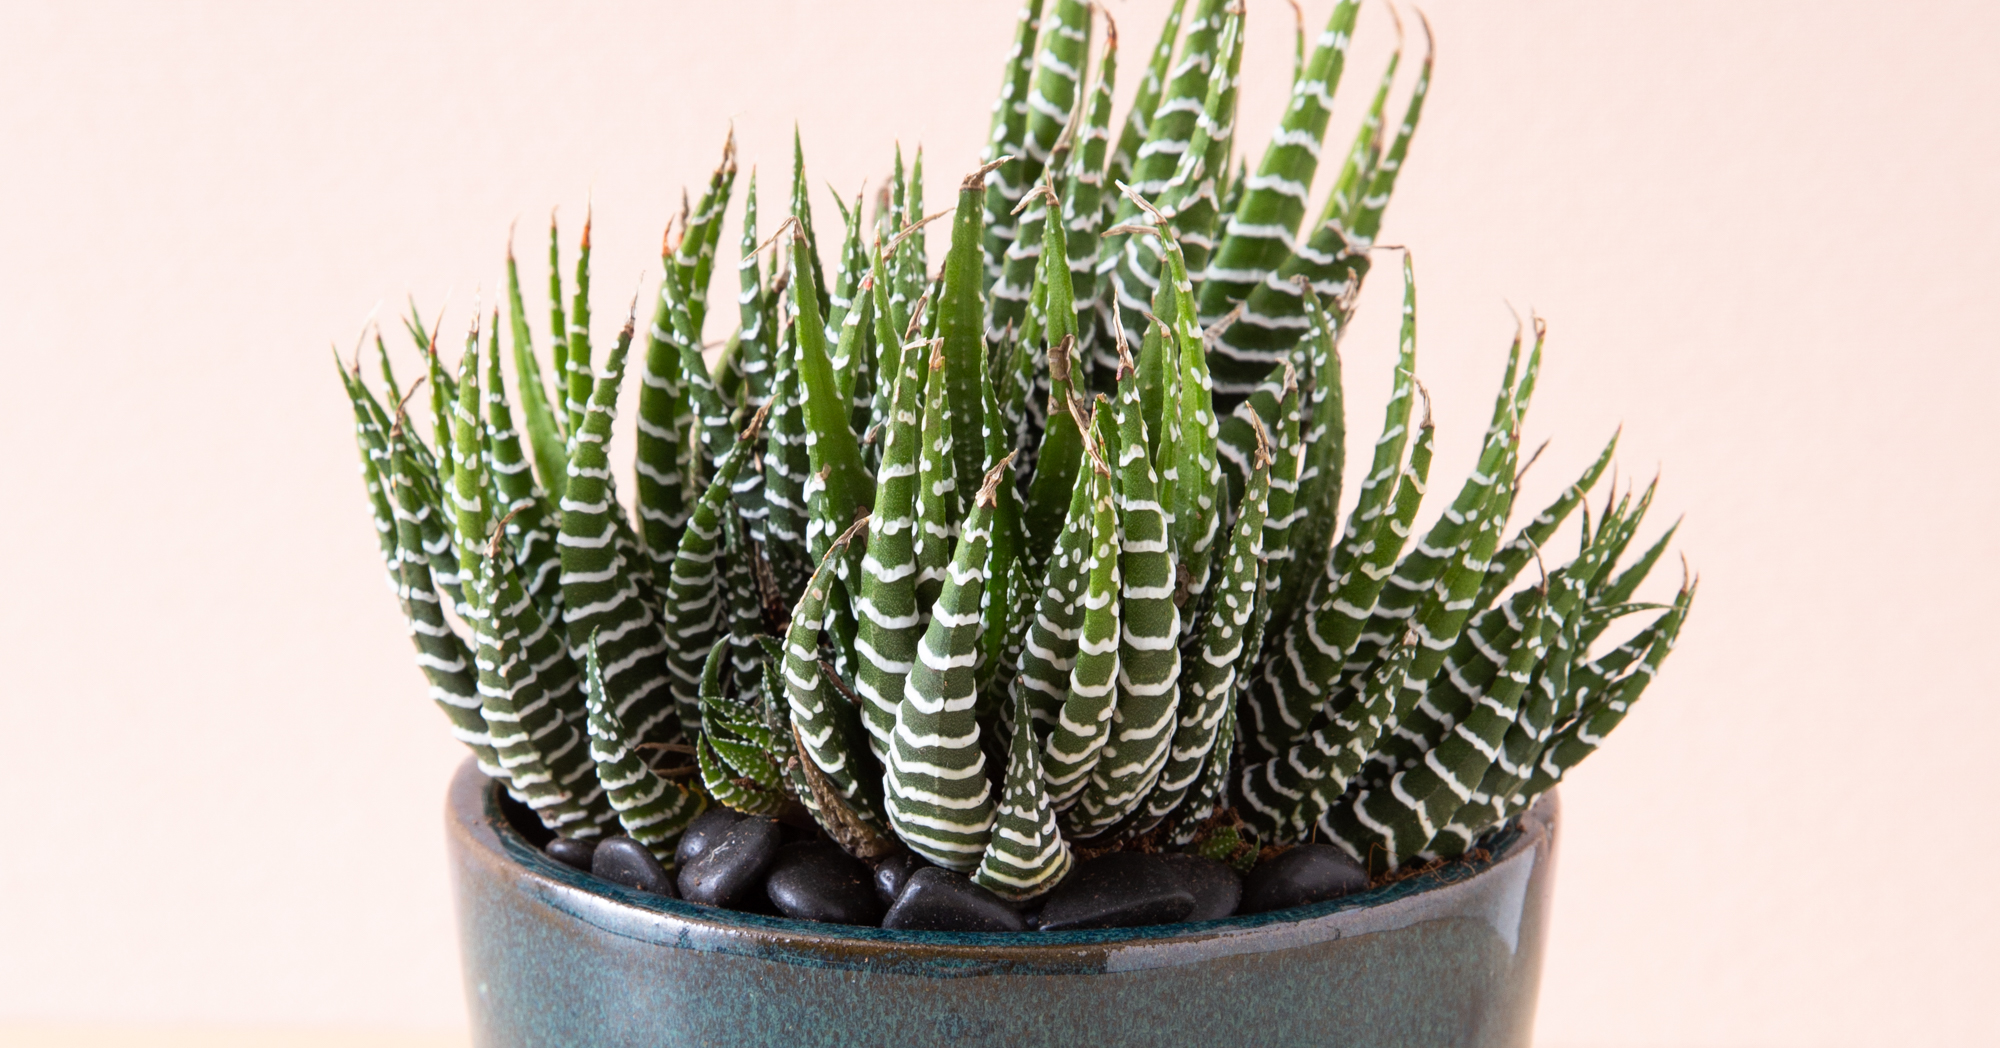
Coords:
1050,548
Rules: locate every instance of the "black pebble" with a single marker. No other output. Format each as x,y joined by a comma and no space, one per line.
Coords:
622,860
705,828
1306,874
732,865
1216,888
893,873
819,882
572,852
938,900
792,833
1119,890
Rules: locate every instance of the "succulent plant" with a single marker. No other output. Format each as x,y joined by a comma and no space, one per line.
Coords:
1039,552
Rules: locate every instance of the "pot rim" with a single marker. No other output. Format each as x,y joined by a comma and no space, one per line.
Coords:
474,815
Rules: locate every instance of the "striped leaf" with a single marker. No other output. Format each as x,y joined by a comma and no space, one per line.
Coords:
668,462
1197,474
1026,855
1582,736
1386,827
846,295
741,560
1498,795
1076,741
1052,98
1002,601
1608,604
469,499
755,355
1171,121
651,810
530,527
1333,261
580,379
1288,793
786,464
1435,629
1211,690
1138,122
701,230
1468,666
938,798
1149,658
545,425
828,725
1262,228
1210,795
695,612
559,336
889,352
1061,449
961,315
442,654
938,499
1007,140
1418,575
527,688
1536,533
712,427
888,622
1193,195
1168,134
374,450
802,211
832,451
1302,674
910,256
1284,525
1299,730
1083,199
1049,648
601,591
734,750
1322,467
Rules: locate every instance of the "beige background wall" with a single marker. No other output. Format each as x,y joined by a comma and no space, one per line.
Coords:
1765,236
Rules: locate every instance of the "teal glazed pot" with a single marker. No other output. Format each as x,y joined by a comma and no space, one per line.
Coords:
557,958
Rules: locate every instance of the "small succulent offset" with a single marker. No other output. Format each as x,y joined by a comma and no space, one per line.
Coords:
1036,554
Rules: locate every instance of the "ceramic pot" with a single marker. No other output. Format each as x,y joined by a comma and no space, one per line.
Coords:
556,957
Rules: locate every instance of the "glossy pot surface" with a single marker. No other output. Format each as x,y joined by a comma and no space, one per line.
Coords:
555,957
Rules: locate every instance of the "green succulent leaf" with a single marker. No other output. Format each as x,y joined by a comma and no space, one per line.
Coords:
442,655
580,379
1149,658
938,797
1263,226
651,809
601,583
694,615
1138,122
833,453
828,724
1212,678
1007,140
1026,855
1050,103
545,425
1075,742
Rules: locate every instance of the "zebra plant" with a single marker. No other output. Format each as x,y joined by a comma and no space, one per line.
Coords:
1037,552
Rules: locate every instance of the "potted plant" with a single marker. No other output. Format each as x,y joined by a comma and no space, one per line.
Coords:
987,661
